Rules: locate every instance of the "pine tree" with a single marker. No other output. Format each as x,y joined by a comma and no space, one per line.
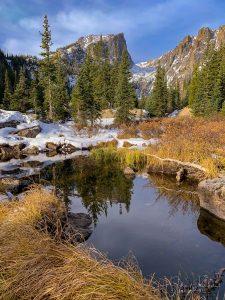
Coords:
36,96
19,100
60,94
124,94
157,102
46,67
6,101
173,99
85,107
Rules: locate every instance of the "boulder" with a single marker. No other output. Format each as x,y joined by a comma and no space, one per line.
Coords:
68,149
79,220
8,152
30,132
61,148
31,151
212,196
77,227
172,167
12,124
129,171
52,146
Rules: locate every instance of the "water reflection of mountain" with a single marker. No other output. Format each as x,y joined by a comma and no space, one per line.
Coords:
211,226
98,184
181,197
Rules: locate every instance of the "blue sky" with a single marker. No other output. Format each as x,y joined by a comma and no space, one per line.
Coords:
151,27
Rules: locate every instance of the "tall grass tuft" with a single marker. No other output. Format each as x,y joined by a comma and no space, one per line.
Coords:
33,265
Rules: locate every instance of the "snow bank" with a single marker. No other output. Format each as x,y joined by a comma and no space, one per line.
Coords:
59,133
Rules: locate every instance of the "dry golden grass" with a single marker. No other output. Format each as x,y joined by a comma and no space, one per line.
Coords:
195,140
33,265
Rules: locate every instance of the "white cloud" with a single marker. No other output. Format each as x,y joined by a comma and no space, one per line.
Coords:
68,25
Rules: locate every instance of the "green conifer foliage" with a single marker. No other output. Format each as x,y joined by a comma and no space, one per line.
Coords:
85,107
7,97
46,67
157,102
60,94
20,100
36,96
125,93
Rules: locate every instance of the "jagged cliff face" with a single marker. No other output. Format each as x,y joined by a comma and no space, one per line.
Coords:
75,54
179,62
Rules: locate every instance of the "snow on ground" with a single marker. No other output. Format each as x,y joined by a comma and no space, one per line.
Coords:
59,133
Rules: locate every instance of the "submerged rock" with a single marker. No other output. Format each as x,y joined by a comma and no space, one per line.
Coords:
32,164
212,196
13,171
30,132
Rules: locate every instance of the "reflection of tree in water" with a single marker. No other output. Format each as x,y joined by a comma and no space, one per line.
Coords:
60,175
98,184
181,197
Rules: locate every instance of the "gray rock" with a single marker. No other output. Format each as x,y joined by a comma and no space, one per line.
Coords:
128,171
31,151
8,152
30,132
52,146
77,227
79,220
12,124
212,196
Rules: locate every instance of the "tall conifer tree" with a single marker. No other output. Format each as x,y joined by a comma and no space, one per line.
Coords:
157,102
7,96
124,94
46,67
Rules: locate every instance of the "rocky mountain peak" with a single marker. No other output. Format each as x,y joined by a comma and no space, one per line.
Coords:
75,54
179,62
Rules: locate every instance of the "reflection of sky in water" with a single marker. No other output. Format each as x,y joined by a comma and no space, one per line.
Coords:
164,243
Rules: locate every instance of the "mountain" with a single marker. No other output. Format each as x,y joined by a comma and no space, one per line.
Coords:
75,54
179,62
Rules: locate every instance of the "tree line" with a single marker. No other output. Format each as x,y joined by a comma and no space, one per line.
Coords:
45,89
207,87
163,99
43,85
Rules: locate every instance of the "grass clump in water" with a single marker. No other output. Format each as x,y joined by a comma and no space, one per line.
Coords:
124,157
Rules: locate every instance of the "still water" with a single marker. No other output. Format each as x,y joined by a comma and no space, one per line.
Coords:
152,217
